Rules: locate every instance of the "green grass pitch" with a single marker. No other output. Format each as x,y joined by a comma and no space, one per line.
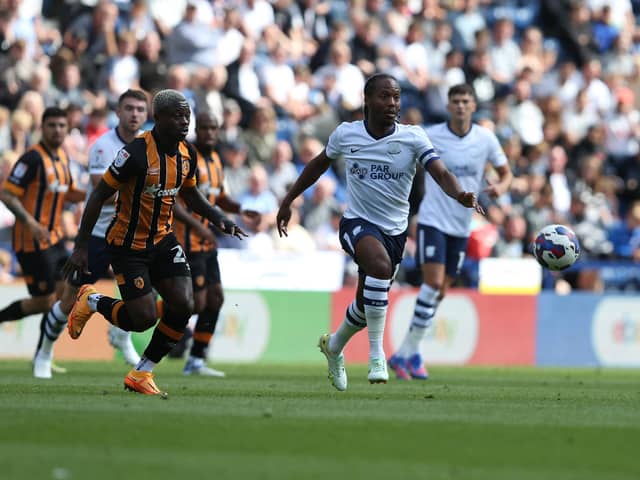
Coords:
287,422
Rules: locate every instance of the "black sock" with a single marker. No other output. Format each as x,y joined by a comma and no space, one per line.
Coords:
206,325
12,312
115,311
166,335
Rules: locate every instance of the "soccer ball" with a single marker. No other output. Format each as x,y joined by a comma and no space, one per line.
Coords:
556,247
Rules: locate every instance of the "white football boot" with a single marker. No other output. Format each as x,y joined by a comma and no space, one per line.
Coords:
337,372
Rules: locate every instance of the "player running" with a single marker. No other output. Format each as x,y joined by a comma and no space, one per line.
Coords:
147,174
381,157
132,112
35,191
444,225
194,233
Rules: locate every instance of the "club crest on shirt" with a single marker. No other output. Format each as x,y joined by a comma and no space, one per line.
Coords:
185,168
393,148
138,282
121,158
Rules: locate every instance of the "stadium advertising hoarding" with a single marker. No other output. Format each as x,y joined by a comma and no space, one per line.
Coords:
588,330
469,328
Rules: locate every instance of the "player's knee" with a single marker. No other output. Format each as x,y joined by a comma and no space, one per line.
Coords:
380,268
183,305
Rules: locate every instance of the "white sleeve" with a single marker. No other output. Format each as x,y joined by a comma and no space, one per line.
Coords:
99,159
334,144
425,152
497,156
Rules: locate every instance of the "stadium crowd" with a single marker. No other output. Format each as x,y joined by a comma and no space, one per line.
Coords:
556,80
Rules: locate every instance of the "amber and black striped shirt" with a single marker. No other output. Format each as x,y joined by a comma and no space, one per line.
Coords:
40,179
210,179
147,181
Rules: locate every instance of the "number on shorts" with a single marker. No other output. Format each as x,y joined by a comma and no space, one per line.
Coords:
179,257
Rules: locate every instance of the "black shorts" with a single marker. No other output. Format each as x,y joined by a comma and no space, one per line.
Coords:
205,269
99,260
43,268
137,271
353,229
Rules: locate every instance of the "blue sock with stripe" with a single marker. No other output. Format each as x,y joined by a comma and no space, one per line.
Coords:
423,314
354,321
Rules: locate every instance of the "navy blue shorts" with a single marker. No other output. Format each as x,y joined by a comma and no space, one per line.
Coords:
353,229
434,246
99,260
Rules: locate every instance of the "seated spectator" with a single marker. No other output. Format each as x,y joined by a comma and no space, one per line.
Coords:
236,172
341,81
282,171
153,67
191,42
513,241
122,71
625,235
260,137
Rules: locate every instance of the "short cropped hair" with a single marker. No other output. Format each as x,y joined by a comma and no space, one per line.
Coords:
53,112
461,89
373,80
135,94
167,100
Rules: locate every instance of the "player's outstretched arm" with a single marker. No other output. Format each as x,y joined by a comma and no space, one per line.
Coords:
79,260
308,177
450,185
199,204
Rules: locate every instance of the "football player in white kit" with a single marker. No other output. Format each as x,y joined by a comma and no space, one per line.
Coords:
381,156
132,113
444,225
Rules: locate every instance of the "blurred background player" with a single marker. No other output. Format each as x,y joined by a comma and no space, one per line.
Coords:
35,191
381,157
148,173
132,112
194,232
443,224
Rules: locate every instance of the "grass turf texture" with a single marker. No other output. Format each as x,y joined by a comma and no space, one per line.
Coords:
286,422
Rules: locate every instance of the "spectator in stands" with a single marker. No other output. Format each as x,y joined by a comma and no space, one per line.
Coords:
364,44
260,137
577,119
278,79
68,87
282,172
153,67
625,235
256,16
525,116
504,53
341,81
513,241
236,171
99,27
122,71
243,83
467,23
191,42
231,39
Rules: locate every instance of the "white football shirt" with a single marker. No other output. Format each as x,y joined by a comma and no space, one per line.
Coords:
466,157
101,155
380,171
